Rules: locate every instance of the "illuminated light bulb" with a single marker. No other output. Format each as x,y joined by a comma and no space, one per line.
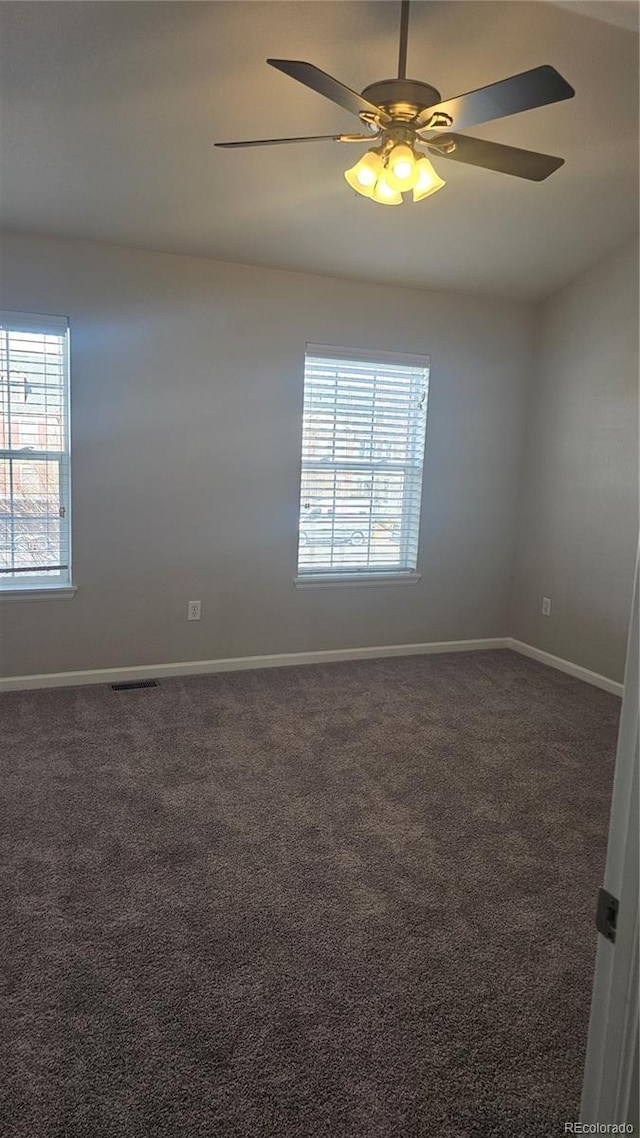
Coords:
428,181
366,177
401,171
384,193
362,177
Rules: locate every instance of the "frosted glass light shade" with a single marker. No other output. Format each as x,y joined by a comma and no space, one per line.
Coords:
428,181
384,193
401,172
362,177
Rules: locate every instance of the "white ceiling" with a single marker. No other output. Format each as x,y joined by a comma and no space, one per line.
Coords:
110,111
622,13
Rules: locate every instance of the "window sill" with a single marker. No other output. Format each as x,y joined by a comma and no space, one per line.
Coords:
34,593
323,581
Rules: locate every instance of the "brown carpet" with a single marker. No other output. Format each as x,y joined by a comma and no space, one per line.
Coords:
344,900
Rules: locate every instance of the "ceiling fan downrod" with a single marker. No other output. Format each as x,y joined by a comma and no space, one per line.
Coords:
404,39
402,99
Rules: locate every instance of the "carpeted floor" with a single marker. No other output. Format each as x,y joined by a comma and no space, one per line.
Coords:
344,900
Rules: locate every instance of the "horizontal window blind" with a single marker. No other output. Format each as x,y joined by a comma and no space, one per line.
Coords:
363,441
34,451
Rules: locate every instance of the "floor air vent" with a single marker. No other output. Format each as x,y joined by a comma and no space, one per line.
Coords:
130,685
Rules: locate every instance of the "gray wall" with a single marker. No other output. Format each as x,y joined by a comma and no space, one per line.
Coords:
578,511
187,400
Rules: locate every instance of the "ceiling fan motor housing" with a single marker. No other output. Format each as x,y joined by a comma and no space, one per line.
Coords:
402,99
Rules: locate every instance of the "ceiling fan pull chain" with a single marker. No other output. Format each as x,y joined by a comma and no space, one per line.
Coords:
404,36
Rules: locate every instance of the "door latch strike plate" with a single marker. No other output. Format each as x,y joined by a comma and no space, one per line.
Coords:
607,914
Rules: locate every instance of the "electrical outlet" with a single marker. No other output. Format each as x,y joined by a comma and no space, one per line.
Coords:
546,606
193,610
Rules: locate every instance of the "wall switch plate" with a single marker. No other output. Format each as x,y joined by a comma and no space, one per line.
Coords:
193,610
546,606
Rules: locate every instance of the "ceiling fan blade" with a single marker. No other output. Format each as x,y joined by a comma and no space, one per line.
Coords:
493,156
309,138
325,85
524,92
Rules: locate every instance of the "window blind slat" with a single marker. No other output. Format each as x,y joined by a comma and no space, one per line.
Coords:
38,323
363,441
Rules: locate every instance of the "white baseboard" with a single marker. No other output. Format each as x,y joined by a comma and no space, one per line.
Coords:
567,666
241,663
290,659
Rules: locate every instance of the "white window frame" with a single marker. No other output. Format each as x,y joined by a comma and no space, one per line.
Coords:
25,586
309,577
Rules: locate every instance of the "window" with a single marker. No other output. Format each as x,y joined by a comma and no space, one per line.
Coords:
363,444
34,452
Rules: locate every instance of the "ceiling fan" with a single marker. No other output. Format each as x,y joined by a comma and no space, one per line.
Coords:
402,115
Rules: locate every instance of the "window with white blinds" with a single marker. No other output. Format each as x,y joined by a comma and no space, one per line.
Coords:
35,547
363,443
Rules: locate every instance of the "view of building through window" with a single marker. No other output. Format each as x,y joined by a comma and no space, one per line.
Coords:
34,455
362,457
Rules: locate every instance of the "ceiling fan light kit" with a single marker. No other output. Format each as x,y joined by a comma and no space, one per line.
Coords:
402,171
402,115
363,176
384,193
385,174
428,181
